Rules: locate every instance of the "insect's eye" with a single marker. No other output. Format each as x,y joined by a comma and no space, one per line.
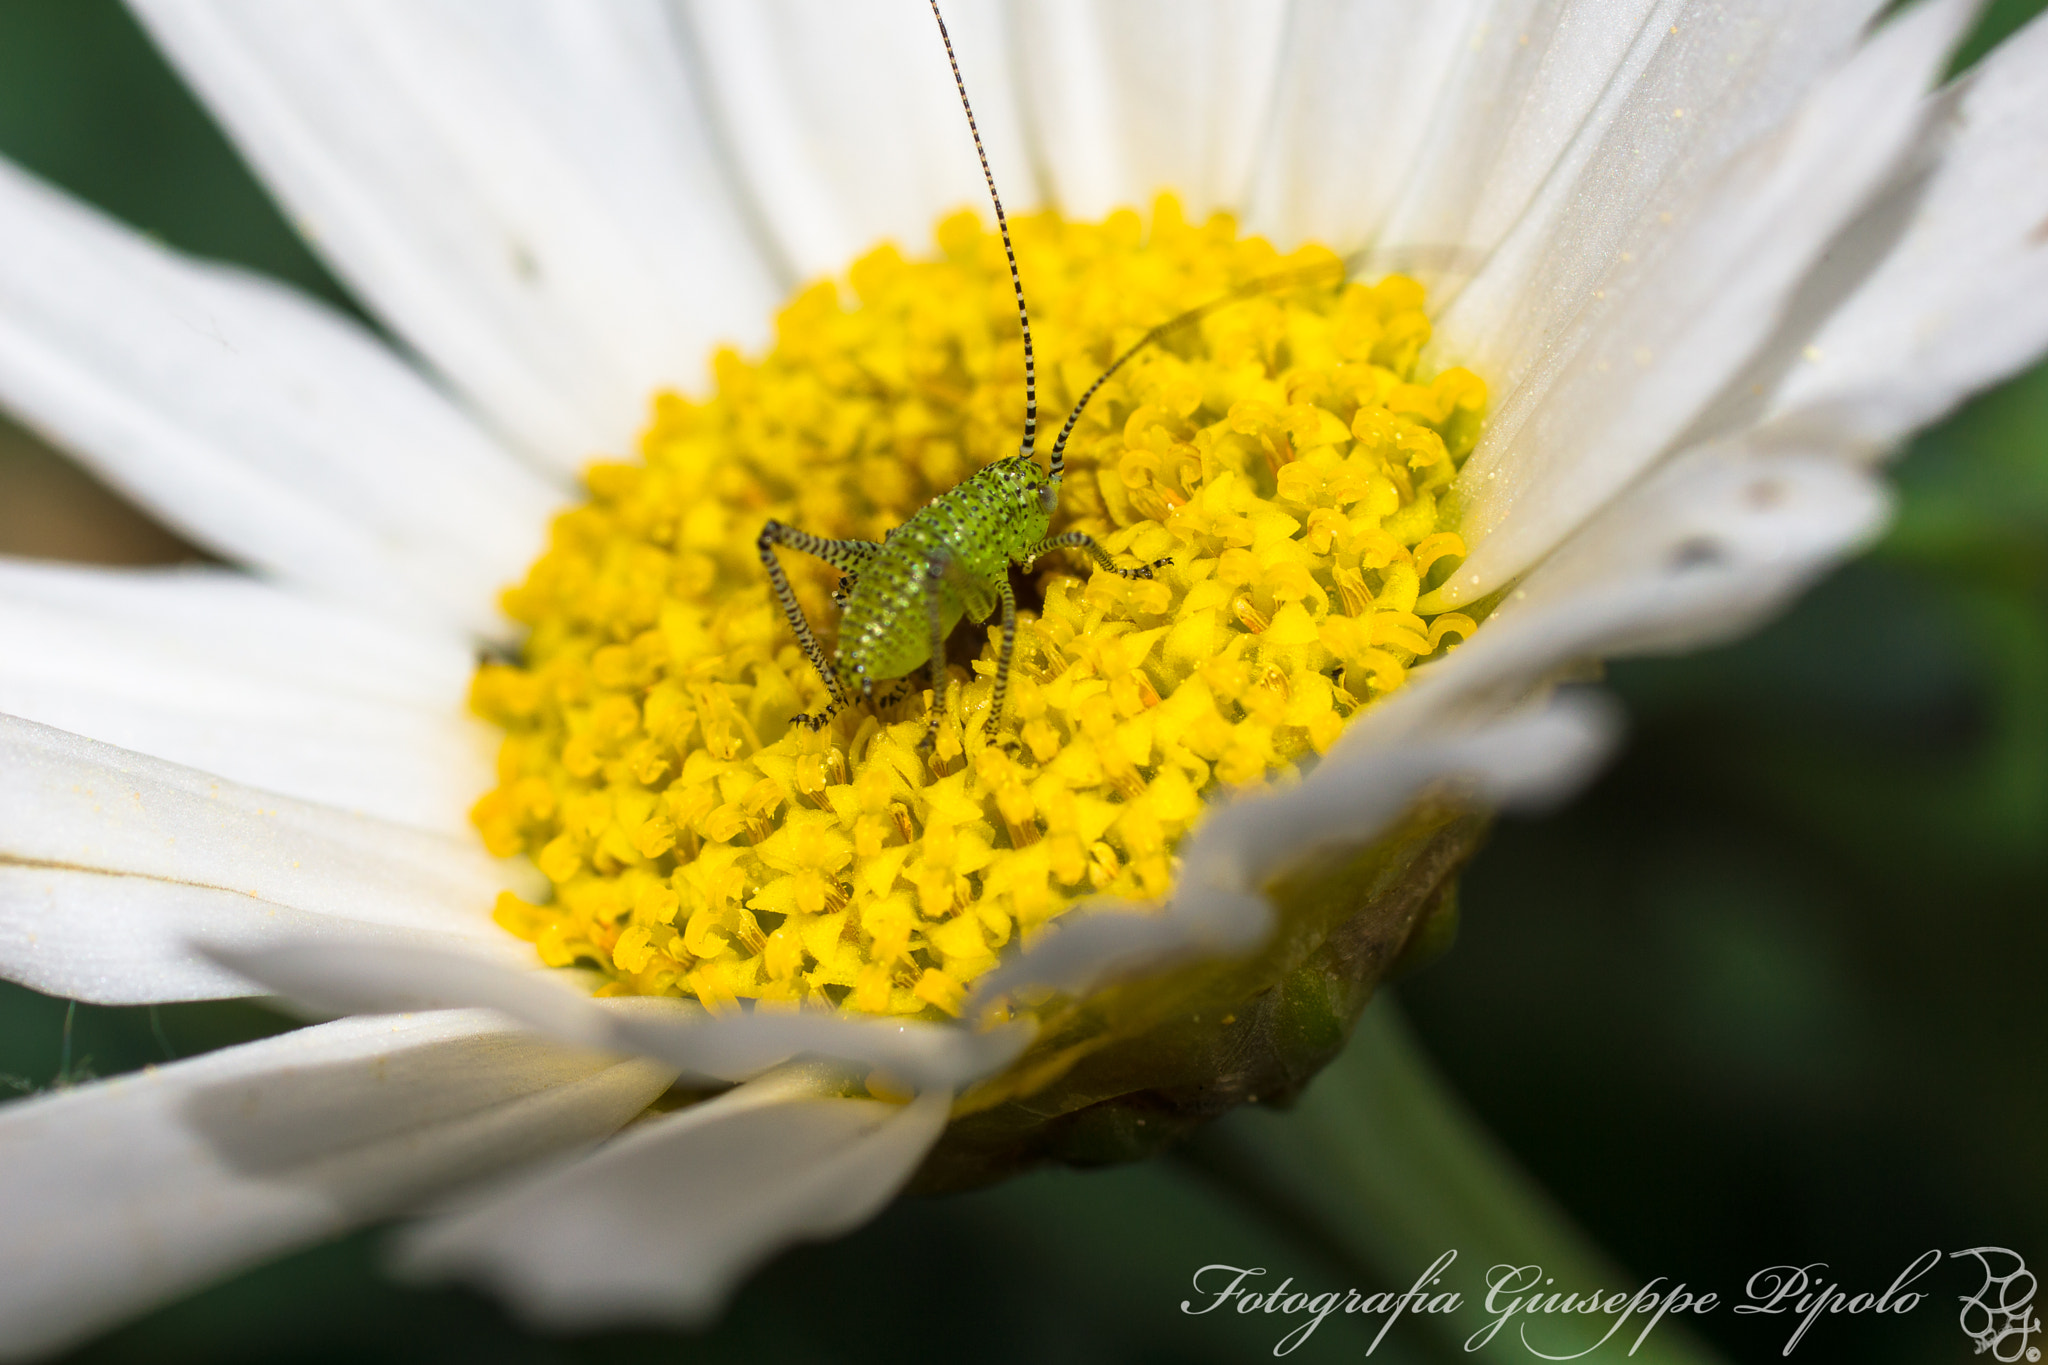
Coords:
1048,497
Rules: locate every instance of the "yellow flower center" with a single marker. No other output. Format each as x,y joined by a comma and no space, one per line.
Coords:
1285,455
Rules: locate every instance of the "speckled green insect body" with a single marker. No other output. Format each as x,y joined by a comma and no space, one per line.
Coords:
952,558
901,599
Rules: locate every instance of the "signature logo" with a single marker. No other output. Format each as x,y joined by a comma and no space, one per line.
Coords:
1999,1317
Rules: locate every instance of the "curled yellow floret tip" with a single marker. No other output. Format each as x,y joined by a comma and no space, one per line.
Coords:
1284,454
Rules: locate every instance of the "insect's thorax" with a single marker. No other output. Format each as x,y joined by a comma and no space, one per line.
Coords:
962,543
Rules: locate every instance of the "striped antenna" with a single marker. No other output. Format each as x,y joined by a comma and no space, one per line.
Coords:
1003,226
1334,272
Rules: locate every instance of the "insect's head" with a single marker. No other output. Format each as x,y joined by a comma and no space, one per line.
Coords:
1034,493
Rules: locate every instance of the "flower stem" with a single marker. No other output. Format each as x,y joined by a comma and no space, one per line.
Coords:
1382,1169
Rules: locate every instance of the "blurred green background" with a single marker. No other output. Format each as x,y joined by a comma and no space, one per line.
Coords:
1769,992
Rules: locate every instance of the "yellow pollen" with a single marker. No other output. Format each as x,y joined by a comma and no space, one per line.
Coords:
1285,454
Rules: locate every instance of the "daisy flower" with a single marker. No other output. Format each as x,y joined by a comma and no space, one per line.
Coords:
1633,297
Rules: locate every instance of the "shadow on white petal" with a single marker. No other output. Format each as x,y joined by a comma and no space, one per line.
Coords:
110,939
745,1044
365,976
93,819
1857,252
706,1047
1957,302
660,1225
131,1191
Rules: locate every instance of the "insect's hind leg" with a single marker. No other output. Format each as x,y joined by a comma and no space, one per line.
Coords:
1076,540
934,609
1004,655
842,554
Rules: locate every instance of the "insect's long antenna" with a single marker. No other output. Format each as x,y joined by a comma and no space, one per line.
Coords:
1336,270
1002,226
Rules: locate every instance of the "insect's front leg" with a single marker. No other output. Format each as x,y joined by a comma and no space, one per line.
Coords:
1075,540
773,534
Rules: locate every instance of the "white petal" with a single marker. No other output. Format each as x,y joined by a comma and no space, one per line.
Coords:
1352,112
250,626
1699,553
1426,131
844,125
1520,92
1693,90
661,1224
255,420
1702,551
1687,306
1961,301
524,191
337,976
217,671
127,1192
116,859
1130,97
118,940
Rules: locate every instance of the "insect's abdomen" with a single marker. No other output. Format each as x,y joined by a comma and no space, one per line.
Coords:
885,631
